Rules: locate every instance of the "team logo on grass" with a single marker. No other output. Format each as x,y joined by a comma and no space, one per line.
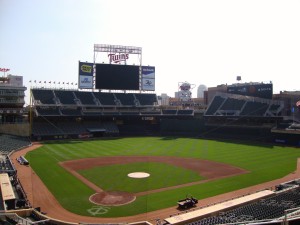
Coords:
98,210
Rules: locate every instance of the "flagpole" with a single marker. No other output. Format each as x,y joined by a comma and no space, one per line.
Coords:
293,114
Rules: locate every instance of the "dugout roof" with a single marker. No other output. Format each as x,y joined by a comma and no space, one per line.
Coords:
6,188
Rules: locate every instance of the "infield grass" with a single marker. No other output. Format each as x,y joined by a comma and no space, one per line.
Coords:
114,177
264,163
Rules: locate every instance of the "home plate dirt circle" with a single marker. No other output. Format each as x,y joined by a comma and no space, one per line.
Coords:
115,198
112,198
138,175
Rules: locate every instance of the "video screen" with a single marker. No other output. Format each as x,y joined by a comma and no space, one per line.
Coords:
117,77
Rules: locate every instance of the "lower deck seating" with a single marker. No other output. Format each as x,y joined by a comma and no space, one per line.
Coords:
268,208
71,127
10,143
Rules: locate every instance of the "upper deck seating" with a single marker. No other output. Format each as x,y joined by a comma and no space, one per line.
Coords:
214,105
274,107
86,98
254,109
146,99
65,97
224,104
125,99
233,104
105,98
43,96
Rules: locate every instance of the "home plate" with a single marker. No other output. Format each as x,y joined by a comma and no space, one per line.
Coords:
138,175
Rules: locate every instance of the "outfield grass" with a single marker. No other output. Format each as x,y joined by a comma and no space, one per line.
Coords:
264,163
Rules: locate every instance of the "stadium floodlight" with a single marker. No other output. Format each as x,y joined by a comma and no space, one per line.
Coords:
118,54
117,48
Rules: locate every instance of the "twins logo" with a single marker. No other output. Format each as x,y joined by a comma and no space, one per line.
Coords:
118,58
85,81
148,83
98,210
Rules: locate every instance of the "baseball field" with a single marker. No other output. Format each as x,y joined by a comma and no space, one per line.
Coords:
83,175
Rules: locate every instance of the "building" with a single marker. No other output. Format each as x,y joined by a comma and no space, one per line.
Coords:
163,99
290,99
200,91
12,100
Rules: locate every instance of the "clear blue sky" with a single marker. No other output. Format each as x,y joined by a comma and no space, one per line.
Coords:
203,42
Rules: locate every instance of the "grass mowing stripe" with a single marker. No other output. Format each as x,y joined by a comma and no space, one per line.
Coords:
70,150
55,153
89,151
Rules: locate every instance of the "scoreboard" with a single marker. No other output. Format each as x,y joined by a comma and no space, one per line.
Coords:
117,77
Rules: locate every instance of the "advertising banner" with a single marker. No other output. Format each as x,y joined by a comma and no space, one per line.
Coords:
148,84
148,78
86,69
85,79
148,72
85,82
256,90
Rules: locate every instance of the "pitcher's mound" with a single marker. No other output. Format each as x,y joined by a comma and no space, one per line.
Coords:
138,175
112,198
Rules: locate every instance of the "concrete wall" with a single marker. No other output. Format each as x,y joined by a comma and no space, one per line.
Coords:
19,129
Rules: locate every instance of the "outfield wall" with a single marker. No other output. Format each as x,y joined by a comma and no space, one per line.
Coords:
261,134
182,127
286,138
19,129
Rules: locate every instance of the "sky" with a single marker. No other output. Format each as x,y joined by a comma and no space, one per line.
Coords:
208,42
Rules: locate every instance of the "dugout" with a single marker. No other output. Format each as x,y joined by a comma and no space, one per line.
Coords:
97,132
8,196
22,160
